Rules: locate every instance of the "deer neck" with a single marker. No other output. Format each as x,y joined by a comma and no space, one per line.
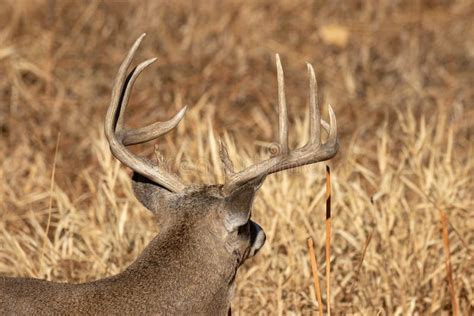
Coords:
176,264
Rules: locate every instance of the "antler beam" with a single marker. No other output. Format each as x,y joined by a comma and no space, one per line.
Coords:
119,137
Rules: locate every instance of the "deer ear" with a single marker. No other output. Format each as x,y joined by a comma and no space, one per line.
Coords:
239,204
153,196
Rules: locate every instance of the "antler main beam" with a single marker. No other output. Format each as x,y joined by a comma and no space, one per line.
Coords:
119,137
314,151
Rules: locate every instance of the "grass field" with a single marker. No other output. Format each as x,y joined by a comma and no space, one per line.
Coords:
399,76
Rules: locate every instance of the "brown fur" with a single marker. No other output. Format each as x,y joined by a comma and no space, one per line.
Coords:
206,232
189,268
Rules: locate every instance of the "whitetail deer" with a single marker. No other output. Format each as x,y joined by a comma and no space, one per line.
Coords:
206,232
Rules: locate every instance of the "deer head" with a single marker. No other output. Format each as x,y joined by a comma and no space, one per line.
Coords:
226,209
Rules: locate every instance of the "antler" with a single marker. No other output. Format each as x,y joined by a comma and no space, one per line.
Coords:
119,137
314,151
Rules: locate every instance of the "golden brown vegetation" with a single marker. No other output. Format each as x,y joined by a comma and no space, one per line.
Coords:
398,74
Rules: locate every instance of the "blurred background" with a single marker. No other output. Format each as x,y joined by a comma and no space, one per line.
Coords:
399,75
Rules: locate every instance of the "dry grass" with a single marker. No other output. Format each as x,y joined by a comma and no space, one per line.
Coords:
399,75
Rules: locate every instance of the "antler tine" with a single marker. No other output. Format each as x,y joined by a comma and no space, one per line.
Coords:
312,152
332,138
282,111
120,81
314,113
129,82
152,131
116,136
225,159
149,132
